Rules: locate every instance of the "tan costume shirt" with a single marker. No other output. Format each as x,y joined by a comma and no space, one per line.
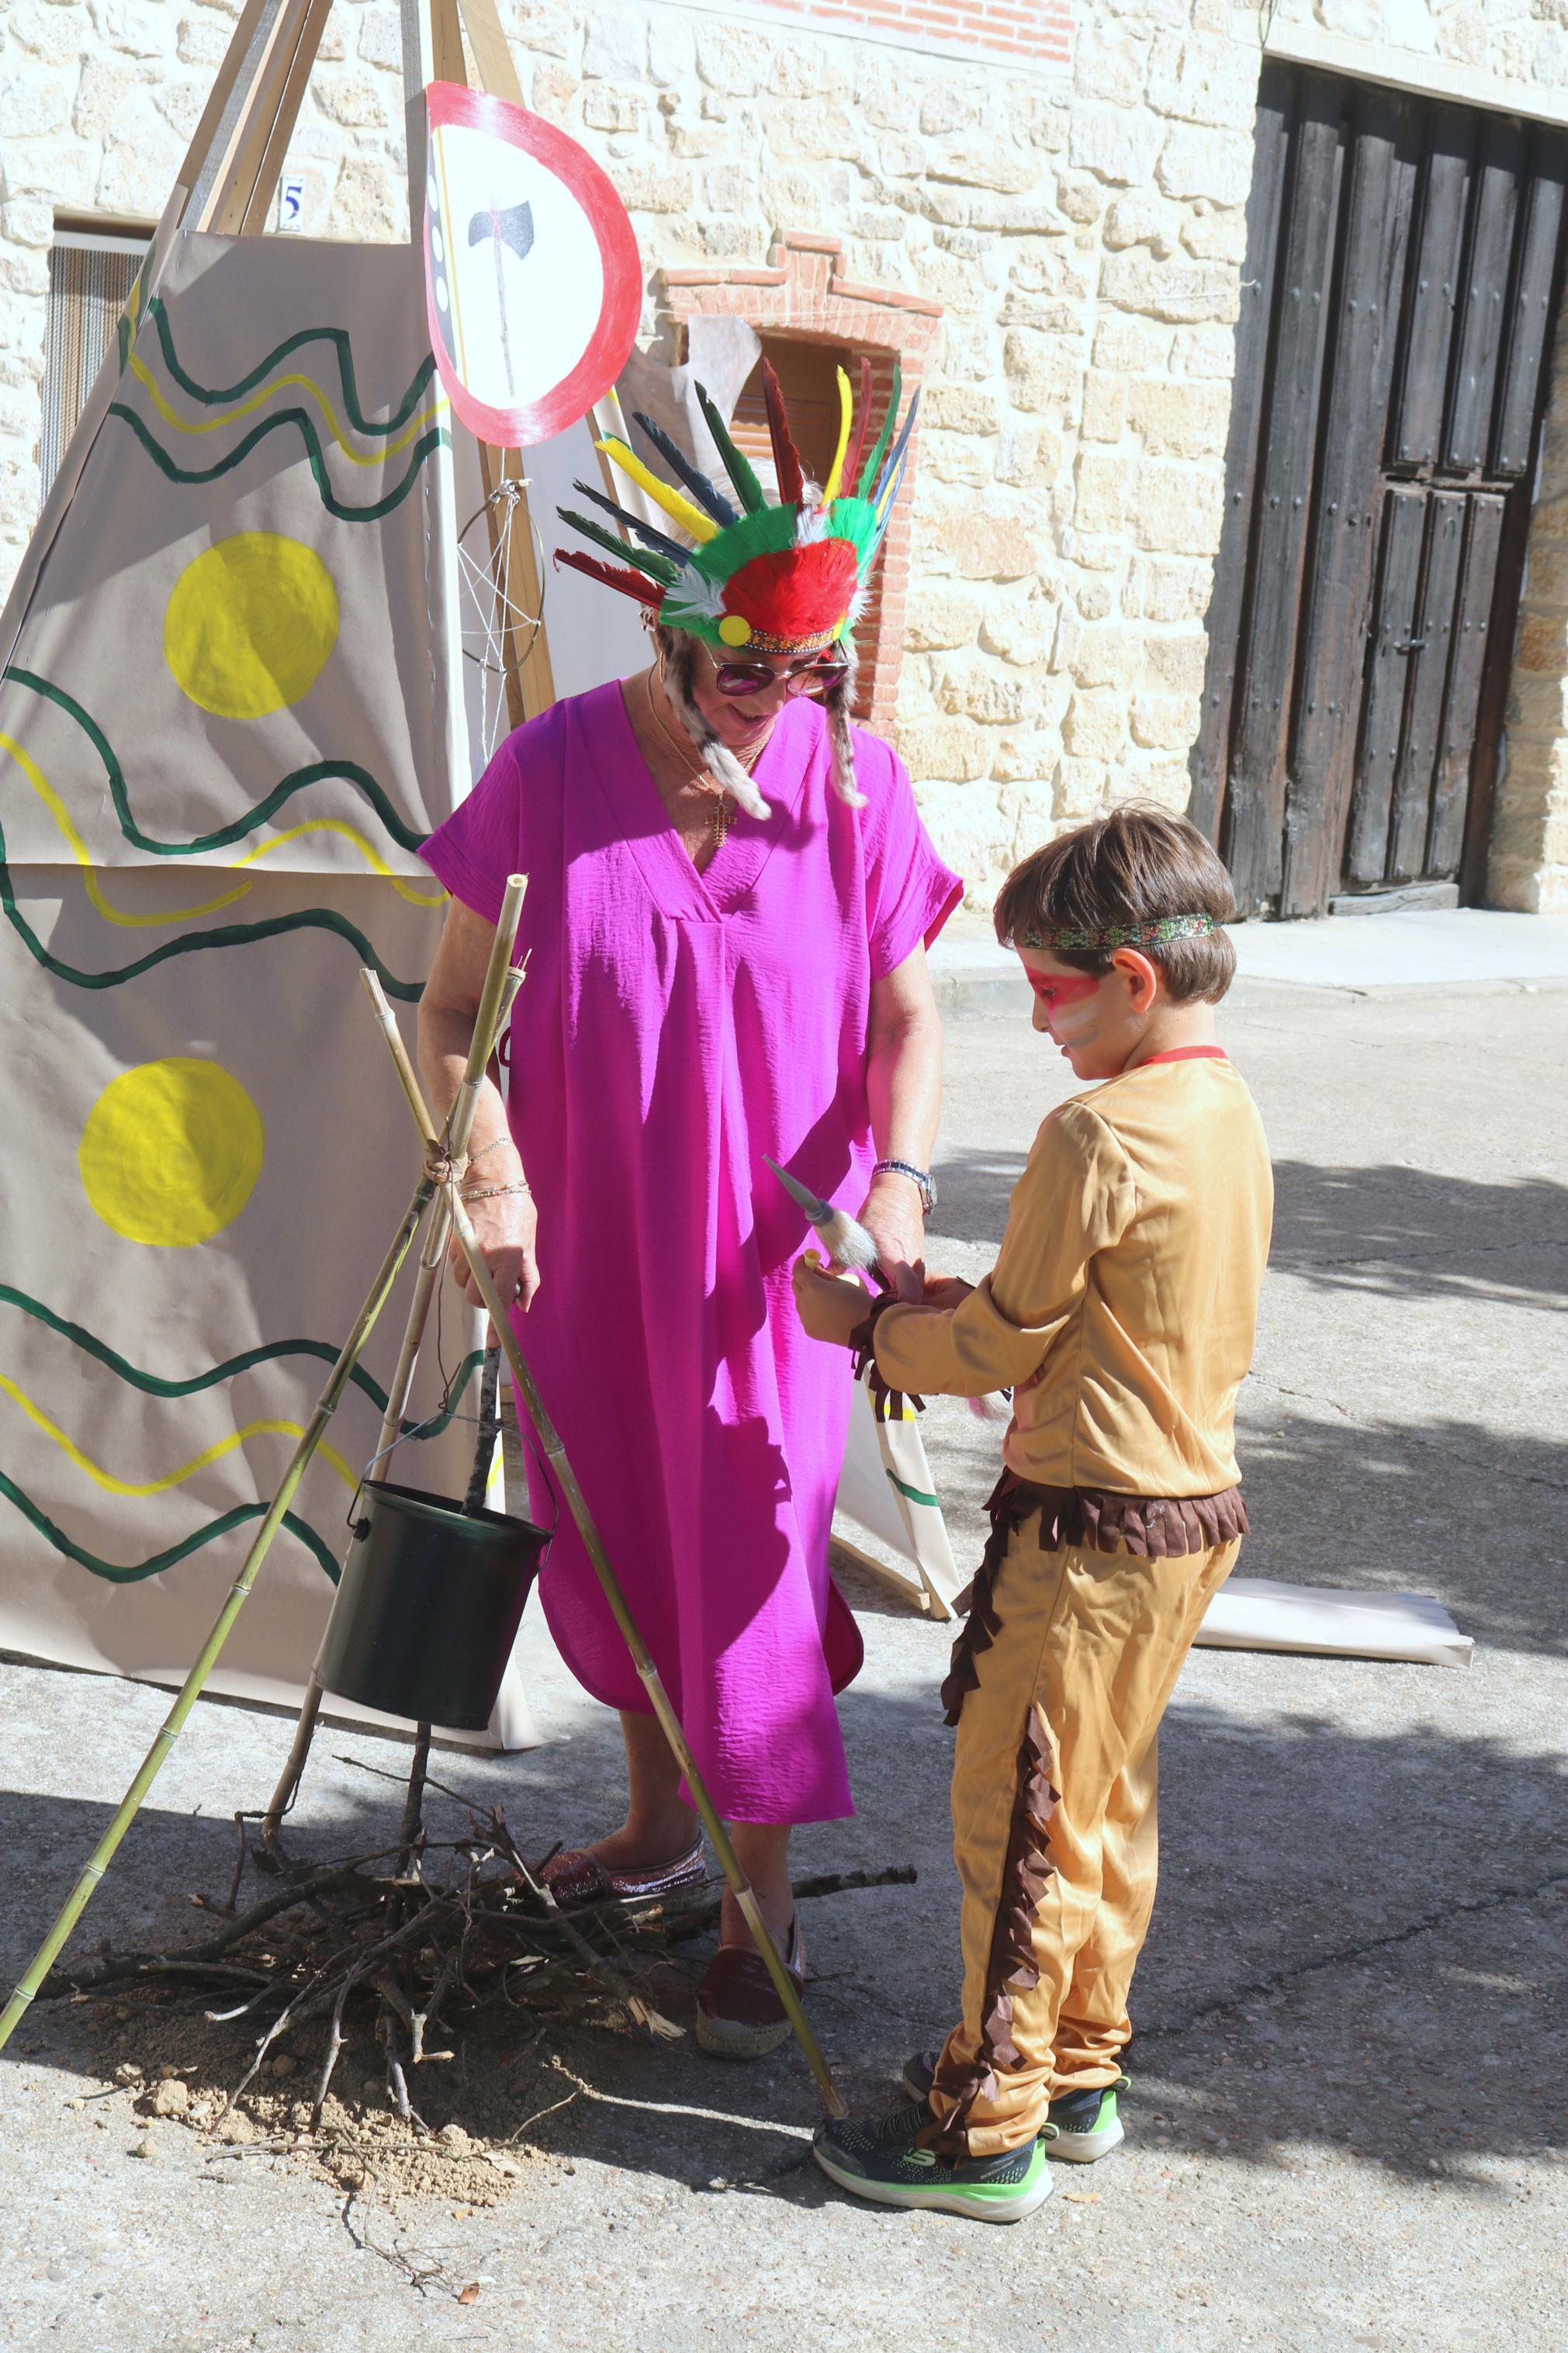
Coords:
1122,1307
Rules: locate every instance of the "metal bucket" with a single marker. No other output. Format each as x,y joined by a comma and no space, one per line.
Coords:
428,1606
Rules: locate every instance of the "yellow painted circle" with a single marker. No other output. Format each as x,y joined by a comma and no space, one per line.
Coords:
250,624
735,630
171,1152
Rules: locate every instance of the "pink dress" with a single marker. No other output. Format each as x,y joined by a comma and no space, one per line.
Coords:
674,1028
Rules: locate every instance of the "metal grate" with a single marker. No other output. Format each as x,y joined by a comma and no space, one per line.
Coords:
90,278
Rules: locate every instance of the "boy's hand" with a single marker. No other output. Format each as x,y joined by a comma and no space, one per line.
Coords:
830,1306
945,1292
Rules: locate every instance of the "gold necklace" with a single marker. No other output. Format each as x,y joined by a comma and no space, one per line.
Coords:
722,815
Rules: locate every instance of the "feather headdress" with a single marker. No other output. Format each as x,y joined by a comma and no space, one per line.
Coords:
752,577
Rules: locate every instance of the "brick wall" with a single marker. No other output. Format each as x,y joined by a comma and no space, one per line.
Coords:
1022,28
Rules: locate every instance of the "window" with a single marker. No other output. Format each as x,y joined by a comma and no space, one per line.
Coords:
90,274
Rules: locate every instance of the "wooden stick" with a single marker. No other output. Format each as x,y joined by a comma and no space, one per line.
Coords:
190,1690
669,1723
505,980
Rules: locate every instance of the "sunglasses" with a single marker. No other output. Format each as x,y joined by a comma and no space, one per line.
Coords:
738,678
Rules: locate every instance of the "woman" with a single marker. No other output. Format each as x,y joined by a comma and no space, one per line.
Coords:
730,896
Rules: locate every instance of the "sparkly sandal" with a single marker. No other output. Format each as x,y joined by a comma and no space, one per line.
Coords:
738,2013
575,1876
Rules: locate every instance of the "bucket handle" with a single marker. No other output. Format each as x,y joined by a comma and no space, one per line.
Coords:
416,1429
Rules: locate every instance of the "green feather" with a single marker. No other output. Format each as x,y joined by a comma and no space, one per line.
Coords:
765,532
748,489
658,567
873,464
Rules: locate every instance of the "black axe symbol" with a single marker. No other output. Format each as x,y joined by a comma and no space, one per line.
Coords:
513,226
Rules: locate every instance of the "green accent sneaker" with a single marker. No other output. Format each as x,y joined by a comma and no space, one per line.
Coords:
878,2158
1079,2127
1084,2125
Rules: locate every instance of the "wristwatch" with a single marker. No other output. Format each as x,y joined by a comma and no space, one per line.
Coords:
920,1176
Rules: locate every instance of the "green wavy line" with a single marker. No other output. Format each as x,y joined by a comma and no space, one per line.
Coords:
133,1573
222,935
153,1385
915,1494
337,336
435,439
297,781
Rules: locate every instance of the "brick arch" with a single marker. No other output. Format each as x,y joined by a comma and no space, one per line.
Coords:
803,293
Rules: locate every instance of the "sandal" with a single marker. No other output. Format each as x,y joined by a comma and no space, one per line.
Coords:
577,1876
738,2013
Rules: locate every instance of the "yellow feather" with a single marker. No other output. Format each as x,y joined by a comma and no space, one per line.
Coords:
691,519
846,417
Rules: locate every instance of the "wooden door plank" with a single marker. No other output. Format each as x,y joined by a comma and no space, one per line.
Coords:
1382,716
1271,143
1530,304
1451,783
1483,304
1346,500
1254,821
1432,646
1434,291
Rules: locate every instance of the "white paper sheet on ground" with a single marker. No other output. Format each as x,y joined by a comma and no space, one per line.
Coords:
886,1492
1253,1613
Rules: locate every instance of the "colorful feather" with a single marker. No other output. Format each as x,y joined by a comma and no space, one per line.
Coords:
873,464
630,583
739,467
695,480
658,567
648,533
896,456
830,488
691,519
862,427
787,457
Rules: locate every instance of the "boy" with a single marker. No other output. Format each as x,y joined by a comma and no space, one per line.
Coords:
1121,1312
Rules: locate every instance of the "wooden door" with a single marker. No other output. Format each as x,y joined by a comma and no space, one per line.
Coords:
1399,299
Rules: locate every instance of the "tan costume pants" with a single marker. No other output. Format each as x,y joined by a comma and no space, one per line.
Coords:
1053,1822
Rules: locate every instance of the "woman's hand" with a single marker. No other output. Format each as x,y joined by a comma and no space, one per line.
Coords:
831,1306
894,1217
505,1228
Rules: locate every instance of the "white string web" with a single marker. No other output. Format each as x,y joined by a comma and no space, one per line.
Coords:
490,620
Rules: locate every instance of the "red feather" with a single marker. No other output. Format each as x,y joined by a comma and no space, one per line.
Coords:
796,594
614,575
851,474
787,457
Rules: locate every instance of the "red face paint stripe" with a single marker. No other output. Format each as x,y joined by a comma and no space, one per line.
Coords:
1188,1054
1054,990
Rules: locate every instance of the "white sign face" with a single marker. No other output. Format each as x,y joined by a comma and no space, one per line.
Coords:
532,280
523,271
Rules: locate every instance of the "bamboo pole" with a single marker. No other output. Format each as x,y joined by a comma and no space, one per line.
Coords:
503,981
576,1503
190,1690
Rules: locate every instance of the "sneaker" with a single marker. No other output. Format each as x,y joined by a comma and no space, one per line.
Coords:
1079,2127
878,2159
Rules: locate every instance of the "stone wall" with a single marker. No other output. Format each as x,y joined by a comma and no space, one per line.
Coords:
1082,241
1081,233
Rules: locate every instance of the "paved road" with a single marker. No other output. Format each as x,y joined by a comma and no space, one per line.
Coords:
1349,2123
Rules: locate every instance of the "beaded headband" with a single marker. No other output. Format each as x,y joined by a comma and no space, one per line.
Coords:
1158,934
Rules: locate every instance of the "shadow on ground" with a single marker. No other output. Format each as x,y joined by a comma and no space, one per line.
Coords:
1359,1938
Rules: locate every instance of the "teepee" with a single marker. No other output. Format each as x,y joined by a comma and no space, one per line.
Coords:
232,704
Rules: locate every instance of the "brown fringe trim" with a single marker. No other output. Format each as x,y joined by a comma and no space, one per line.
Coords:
888,1404
1010,1969
1093,1519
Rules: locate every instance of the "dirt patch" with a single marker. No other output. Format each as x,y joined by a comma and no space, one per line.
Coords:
488,2095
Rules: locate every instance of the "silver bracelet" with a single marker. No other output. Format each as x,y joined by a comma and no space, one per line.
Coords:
492,1192
920,1176
493,1145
